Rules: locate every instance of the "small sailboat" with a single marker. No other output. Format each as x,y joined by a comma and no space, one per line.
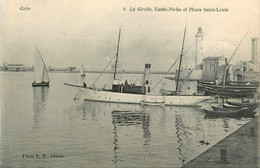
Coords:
83,74
41,77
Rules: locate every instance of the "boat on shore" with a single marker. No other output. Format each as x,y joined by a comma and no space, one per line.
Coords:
41,77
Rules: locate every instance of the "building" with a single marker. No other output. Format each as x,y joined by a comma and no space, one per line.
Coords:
243,71
199,47
213,68
59,69
246,71
188,81
187,84
72,69
4,67
15,67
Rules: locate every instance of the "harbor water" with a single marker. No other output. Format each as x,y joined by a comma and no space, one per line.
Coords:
45,127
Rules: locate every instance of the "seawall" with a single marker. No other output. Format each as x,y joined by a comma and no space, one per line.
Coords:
239,149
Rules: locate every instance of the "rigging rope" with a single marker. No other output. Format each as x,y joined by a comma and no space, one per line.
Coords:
103,71
228,65
236,48
171,67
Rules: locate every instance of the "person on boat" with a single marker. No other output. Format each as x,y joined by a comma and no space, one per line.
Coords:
104,87
126,83
217,82
84,84
130,83
136,82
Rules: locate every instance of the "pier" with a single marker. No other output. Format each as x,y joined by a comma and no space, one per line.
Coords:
239,149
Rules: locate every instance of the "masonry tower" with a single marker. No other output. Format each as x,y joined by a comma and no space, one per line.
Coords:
199,47
254,55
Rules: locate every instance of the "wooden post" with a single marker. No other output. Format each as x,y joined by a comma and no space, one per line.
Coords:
252,131
223,156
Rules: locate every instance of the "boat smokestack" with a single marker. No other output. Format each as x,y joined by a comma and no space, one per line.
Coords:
146,80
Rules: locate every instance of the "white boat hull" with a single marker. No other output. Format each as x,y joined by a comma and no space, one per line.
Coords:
145,103
115,97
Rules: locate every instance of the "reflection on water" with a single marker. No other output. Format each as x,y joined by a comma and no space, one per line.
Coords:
115,160
146,132
92,134
39,99
177,130
178,125
186,123
130,118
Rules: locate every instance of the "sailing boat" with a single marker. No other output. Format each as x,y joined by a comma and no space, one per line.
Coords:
82,71
123,92
41,77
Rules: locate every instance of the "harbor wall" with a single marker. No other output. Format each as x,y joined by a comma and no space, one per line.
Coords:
239,149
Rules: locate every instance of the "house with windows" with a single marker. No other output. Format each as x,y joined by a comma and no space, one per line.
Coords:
213,68
243,71
15,67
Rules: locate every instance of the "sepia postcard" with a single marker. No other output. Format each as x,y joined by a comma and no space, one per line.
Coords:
129,83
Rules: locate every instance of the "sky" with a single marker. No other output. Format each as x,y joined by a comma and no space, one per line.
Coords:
69,33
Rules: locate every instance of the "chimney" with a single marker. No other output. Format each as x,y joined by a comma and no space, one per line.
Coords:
146,82
254,50
254,53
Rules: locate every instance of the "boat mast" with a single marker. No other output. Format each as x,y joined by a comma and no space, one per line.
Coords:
82,69
227,65
178,76
117,53
43,64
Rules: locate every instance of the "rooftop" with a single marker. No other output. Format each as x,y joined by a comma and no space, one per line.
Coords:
214,57
15,65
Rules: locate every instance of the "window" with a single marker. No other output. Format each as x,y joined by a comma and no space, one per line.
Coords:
239,77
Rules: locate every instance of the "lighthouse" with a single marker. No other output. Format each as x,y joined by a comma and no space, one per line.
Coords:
199,46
